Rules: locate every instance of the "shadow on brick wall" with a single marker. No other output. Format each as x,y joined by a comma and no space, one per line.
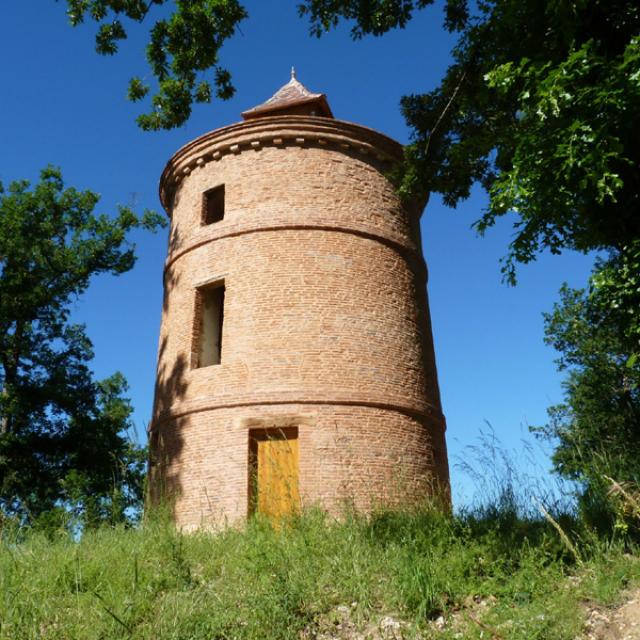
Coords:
166,441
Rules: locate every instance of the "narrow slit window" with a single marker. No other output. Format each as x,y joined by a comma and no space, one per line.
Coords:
213,205
211,316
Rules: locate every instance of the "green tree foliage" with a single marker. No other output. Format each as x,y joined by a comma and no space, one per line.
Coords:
616,286
63,441
182,48
541,105
597,426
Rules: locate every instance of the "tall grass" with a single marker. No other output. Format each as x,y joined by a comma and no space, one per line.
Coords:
154,582
499,568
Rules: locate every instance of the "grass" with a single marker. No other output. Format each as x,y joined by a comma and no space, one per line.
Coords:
488,572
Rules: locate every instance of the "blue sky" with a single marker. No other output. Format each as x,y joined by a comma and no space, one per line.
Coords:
63,104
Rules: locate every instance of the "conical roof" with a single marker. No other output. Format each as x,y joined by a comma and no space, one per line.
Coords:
292,98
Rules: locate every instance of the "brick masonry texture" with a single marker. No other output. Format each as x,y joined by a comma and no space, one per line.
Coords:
326,322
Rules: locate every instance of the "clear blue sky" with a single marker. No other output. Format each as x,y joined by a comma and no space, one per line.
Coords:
61,103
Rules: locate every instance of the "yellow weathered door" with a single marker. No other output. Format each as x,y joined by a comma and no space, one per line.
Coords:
275,487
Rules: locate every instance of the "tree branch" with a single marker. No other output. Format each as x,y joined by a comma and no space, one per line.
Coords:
444,111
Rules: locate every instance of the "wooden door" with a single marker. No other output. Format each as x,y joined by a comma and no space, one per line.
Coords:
274,472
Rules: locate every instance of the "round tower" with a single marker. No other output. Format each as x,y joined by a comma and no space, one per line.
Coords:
296,362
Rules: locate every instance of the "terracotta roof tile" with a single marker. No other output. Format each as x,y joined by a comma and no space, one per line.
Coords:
290,95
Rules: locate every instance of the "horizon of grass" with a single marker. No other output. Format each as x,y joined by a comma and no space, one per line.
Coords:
259,582
517,562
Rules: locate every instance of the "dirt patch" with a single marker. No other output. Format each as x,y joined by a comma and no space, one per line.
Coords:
343,623
339,624
619,623
622,623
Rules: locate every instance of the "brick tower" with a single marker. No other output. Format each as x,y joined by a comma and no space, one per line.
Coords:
296,362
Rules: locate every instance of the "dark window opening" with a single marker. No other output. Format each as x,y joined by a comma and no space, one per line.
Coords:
213,205
209,319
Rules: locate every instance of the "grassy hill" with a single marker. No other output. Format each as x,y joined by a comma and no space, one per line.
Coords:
489,573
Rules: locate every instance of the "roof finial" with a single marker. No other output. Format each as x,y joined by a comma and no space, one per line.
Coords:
293,73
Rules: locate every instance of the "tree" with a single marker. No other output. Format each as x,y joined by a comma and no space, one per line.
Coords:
63,437
541,105
181,49
597,426
616,293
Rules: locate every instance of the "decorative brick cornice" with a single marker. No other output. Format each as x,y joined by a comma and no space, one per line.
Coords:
277,131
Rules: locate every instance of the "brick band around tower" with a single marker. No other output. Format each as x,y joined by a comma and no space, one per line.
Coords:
296,362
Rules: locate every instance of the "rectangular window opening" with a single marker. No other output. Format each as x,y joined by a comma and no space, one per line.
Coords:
213,205
209,319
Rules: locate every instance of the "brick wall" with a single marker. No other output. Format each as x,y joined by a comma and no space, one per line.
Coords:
326,322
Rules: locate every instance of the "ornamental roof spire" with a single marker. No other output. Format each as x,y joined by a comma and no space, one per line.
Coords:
292,98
